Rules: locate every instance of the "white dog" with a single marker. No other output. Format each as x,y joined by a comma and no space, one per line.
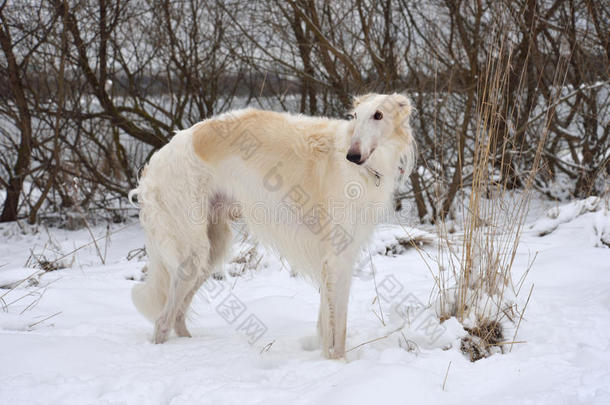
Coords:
288,176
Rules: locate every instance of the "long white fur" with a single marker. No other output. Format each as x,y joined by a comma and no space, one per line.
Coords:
206,176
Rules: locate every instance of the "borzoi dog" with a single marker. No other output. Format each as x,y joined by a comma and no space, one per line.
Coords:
288,176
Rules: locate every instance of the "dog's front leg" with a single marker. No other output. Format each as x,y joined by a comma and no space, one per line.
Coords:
334,297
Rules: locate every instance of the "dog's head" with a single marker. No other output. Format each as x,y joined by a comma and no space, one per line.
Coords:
379,120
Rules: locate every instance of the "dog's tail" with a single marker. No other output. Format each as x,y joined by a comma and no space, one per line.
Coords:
130,195
134,193
150,296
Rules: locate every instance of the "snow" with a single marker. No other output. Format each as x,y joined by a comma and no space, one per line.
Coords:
75,337
559,215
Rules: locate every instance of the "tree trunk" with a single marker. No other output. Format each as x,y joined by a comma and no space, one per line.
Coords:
24,122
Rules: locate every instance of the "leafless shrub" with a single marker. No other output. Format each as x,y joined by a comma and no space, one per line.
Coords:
475,283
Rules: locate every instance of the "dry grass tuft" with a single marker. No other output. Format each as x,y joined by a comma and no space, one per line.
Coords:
249,258
47,265
482,340
474,279
405,243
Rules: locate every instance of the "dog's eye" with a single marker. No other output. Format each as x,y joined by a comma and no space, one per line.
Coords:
350,116
378,115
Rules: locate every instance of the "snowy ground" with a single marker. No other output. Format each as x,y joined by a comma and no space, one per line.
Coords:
73,336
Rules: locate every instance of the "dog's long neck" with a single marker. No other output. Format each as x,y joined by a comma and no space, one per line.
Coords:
383,165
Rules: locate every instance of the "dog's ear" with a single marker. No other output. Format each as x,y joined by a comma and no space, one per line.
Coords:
360,99
403,102
403,116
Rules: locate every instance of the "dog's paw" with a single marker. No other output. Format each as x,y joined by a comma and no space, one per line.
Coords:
334,354
180,327
160,338
311,343
181,330
161,333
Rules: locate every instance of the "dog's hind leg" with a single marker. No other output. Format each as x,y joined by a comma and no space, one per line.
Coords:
220,237
182,280
180,323
334,297
178,290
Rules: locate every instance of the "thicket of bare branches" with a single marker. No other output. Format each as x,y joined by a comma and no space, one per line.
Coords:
90,88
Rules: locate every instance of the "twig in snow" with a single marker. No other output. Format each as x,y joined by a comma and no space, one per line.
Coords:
17,285
35,292
508,343
42,320
90,243
446,375
267,347
374,340
97,247
376,291
521,317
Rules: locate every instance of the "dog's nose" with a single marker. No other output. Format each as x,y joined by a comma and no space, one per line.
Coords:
354,157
